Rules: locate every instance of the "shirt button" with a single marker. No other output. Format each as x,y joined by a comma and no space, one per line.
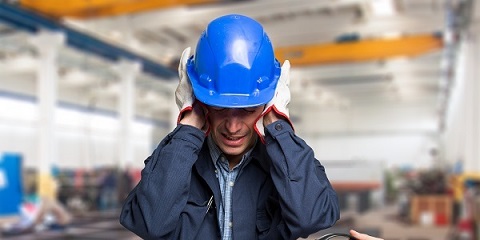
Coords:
231,184
230,224
278,126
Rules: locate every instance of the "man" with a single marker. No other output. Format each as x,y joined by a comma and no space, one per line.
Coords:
233,168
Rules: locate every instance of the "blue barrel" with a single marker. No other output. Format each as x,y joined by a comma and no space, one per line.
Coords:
11,188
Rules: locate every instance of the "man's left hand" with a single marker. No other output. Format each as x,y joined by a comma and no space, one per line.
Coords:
277,108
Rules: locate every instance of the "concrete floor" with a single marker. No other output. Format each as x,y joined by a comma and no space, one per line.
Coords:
91,226
380,223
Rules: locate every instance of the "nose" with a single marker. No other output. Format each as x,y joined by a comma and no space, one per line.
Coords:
233,122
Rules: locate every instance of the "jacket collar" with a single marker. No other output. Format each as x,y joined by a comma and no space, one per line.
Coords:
260,157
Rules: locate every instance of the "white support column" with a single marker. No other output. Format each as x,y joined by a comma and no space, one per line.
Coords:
127,71
472,101
48,45
462,138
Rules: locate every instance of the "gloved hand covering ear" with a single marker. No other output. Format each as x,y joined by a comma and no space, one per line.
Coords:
184,94
279,102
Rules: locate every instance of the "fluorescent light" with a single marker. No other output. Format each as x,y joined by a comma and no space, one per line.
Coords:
382,7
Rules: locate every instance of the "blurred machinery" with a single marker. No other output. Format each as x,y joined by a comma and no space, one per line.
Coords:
11,190
358,183
430,200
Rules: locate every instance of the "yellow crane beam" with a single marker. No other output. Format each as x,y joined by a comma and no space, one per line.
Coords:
101,8
361,50
315,54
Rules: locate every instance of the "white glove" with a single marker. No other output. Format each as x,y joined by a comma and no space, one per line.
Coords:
184,94
280,100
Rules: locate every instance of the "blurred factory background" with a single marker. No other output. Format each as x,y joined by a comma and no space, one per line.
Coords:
385,91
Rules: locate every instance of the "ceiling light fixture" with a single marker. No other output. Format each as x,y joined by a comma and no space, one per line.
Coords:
383,7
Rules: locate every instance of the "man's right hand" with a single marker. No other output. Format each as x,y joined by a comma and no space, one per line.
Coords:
197,117
192,112
184,94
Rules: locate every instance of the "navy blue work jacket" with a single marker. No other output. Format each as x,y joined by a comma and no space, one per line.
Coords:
282,191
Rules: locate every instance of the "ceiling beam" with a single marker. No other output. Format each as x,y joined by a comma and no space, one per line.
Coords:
32,22
102,8
360,50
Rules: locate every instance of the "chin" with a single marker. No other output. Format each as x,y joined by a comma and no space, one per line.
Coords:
233,151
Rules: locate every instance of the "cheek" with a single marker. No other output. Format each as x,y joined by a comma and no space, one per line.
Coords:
255,117
250,121
215,122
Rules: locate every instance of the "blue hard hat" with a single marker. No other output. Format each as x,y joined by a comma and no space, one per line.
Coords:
234,64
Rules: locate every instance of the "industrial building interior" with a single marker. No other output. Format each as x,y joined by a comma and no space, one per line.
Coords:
386,93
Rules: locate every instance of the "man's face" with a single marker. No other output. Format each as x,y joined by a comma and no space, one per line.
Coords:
232,129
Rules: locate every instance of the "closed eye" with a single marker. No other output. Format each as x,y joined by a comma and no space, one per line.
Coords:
218,109
250,110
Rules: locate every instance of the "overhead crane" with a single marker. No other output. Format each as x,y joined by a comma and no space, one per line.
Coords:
356,50
102,8
360,50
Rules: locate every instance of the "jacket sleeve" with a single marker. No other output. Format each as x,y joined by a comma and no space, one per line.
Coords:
154,208
307,199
